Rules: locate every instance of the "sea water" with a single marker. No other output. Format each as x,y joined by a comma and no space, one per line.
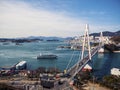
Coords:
11,54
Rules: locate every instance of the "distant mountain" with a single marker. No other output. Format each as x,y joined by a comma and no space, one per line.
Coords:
34,39
49,38
107,33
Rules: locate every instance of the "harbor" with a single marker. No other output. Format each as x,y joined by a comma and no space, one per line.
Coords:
63,55
59,45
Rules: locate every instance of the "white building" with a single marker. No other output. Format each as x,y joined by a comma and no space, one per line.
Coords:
115,71
101,50
21,65
105,39
87,67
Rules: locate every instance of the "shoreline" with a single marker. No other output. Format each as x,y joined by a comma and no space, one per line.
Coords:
116,51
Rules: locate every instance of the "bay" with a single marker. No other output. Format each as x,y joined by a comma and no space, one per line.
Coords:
12,54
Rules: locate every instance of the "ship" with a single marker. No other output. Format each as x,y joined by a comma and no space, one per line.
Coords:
46,56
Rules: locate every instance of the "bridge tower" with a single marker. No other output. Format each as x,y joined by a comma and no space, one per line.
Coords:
86,41
101,43
101,38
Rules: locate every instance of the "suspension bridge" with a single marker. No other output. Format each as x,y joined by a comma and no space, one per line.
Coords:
72,71
85,58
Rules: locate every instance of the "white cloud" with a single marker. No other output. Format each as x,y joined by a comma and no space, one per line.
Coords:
20,19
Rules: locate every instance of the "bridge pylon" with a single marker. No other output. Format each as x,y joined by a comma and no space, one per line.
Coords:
101,38
86,40
84,59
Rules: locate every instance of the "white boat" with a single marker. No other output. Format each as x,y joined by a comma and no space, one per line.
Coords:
46,56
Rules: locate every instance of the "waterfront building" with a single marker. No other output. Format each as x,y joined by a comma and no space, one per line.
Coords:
21,65
104,38
115,71
87,67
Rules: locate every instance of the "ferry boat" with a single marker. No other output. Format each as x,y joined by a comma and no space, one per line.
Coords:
46,56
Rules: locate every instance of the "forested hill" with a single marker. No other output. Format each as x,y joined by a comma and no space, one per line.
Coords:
107,33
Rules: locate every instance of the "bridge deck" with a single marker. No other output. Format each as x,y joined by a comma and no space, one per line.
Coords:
81,63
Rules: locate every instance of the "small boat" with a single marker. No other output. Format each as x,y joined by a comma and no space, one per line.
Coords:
46,56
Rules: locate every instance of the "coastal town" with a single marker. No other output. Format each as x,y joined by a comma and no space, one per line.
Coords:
18,77
59,44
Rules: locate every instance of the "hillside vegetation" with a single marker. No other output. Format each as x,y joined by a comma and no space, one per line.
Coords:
116,39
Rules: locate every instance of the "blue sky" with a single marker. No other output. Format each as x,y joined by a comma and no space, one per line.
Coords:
21,18
103,10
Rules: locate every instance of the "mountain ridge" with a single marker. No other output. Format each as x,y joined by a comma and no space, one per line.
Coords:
107,33
45,38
